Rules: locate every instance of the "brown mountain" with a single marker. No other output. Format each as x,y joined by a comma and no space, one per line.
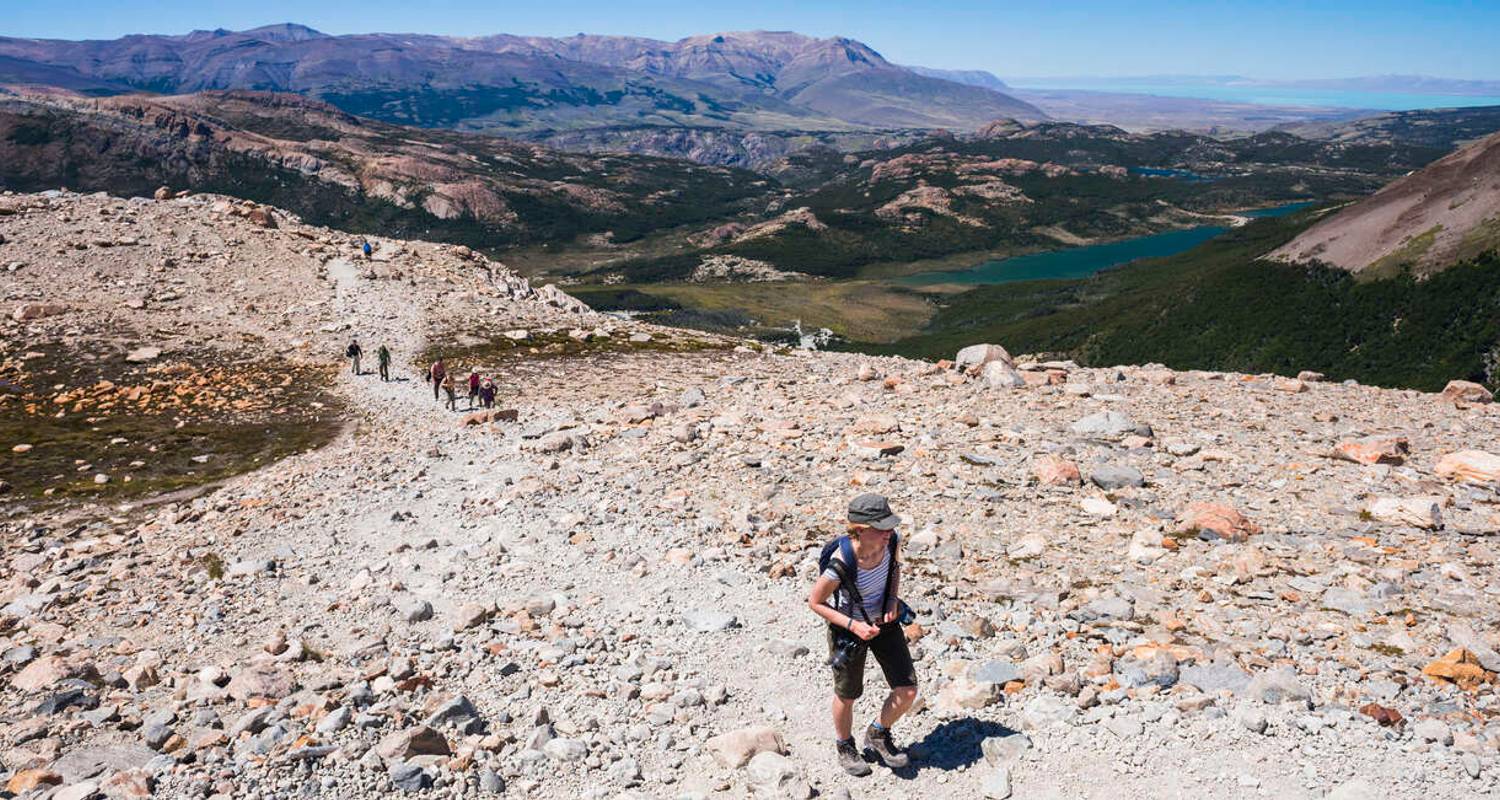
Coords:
360,174
756,80
1424,222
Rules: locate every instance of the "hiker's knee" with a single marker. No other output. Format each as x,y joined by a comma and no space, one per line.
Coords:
905,695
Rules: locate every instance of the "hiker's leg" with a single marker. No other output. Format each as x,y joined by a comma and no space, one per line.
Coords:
894,657
897,703
843,717
848,685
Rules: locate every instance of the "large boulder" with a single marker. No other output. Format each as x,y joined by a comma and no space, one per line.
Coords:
773,774
1054,470
418,741
1216,519
1000,375
735,748
30,311
261,680
1373,450
1104,425
1116,476
1418,512
971,358
45,673
1473,466
1466,392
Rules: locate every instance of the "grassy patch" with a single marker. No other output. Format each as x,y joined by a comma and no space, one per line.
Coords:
192,419
865,310
461,354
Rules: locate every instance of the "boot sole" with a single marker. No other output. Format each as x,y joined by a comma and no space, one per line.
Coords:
874,755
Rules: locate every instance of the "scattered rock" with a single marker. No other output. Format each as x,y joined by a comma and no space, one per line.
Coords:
1473,466
1373,450
735,748
418,741
1217,520
1418,512
1114,476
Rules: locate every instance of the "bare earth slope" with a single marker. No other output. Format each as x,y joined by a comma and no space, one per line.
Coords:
577,604
1428,220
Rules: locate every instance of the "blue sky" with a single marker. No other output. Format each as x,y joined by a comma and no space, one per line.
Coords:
1258,38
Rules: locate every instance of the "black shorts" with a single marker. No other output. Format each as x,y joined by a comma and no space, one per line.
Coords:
891,652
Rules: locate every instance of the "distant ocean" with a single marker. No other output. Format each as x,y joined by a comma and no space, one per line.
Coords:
1272,95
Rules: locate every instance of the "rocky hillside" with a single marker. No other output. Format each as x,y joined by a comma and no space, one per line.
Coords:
359,174
1016,187
1130,581
1423,223
1432,127
771,80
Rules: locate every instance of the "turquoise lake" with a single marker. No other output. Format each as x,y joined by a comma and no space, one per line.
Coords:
1081,262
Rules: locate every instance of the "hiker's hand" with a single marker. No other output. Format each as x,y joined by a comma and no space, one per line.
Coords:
864,630
891,615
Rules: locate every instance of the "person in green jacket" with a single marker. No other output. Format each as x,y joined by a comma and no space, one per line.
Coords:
384,355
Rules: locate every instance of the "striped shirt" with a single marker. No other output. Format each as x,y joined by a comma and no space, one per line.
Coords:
871,586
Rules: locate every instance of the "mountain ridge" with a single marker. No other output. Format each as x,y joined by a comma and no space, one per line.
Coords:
754,79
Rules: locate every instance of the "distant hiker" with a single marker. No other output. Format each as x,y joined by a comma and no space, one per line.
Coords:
353,352
473,387
384,356
487,393
367,249
858,594
435,375
451,389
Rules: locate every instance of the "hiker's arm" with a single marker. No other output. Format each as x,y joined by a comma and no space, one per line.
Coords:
817,600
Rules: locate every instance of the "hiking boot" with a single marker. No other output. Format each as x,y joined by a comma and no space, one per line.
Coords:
851,760
886,750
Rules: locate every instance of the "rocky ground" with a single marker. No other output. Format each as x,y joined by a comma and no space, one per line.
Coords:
1130,581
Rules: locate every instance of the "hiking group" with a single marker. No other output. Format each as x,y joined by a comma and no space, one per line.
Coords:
481,389
382,357
857,593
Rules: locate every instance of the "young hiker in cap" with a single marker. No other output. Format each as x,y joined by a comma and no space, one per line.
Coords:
858,594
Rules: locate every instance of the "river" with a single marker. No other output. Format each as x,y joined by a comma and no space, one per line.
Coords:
1081,262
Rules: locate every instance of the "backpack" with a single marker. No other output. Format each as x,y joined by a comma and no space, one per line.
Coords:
848,568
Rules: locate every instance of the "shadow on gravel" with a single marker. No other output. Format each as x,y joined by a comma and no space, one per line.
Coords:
951,745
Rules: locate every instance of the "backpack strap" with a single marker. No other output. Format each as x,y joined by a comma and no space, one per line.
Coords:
890,570
847,568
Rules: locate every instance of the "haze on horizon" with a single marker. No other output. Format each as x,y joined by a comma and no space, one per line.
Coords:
1275,40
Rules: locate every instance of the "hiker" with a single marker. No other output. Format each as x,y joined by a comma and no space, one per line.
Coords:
353,352
384,356
435,375
451,389
367,249
858,594
487,393
473,387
